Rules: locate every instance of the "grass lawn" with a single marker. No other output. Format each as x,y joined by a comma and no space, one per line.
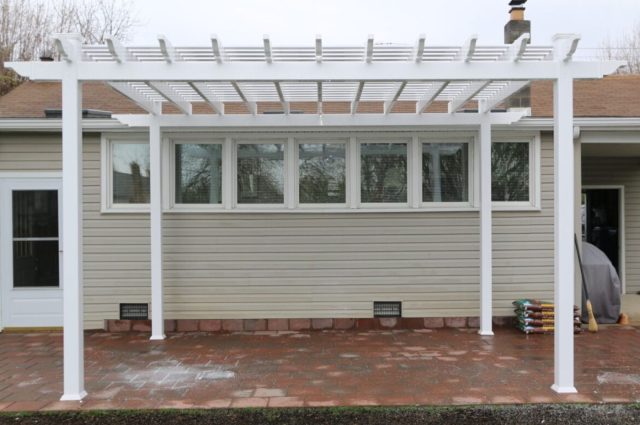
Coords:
521,415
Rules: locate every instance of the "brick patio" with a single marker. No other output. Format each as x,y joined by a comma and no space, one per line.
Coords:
434,367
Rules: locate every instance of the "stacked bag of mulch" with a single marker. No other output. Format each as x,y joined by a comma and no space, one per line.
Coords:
537,317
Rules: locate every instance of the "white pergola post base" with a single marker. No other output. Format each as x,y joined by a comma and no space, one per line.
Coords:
71,253
155,151
563,235
486,302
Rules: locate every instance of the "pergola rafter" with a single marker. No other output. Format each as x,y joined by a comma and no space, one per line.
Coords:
383,73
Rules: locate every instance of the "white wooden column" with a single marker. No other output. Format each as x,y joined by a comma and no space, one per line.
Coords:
563,234
73,339
155,204
486,264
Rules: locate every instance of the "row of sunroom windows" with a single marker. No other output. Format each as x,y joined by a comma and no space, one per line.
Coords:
320,173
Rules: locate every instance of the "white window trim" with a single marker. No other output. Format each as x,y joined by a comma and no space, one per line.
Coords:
106,173
534,202
286,190
292,140
471,174
409,142
296,172
170,185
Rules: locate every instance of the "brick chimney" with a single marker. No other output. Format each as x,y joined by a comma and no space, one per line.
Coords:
517,26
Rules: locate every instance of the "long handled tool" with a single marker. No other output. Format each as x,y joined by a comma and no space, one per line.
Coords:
593,325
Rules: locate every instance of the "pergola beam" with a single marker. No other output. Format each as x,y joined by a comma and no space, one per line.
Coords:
390,103
467,94
501,95
251,106
420,48
117,50
131,93
311,71
283,101
216,105
168,51
369,121
216,46
171,95
356,99
517,48
430,96
468,49
318,48
369,49
268,56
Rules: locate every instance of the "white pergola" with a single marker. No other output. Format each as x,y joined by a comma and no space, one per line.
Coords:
384,73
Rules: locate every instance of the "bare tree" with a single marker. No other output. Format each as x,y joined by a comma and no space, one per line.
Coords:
625,48
26,27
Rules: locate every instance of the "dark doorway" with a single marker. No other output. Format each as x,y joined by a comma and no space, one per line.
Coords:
601,221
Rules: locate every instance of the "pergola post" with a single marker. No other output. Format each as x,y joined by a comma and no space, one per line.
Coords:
155,205
485,229
73,344
563,234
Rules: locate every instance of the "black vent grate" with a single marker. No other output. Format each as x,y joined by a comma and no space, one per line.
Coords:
387,309
134,311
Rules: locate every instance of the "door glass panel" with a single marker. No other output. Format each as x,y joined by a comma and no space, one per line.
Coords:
35,238
35,214
35,263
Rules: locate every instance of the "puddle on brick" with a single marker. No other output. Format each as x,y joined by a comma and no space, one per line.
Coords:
618,378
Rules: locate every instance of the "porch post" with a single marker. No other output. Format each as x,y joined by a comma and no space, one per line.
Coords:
155,204
485,229
563,234
73,341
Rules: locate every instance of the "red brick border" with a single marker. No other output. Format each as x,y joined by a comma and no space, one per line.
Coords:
251,325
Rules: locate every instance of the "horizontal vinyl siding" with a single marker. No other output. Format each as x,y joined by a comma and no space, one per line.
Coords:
336,265
30,152
311,265
116,250
625,172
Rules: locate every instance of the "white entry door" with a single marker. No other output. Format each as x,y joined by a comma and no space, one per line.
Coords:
30,252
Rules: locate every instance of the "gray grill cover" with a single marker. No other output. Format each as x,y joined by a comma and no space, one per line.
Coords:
603,285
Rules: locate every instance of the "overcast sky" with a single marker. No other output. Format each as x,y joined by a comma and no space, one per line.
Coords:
445,22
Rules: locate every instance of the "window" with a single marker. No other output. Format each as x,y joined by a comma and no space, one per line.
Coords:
260,173
383,173
322,168
445,172
510,172
130,173
198,173
312,172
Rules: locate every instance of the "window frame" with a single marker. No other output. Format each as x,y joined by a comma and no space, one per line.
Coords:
286,189
470,141
292,139
296,183
357,187
169,192
106,164
534,172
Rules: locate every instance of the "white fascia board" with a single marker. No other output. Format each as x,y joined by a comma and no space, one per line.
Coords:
321,121
55,124
595,123
313,71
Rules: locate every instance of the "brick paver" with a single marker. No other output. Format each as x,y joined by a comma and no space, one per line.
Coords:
330,368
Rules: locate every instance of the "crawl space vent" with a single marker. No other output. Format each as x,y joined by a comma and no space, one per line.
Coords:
134,311
387,309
